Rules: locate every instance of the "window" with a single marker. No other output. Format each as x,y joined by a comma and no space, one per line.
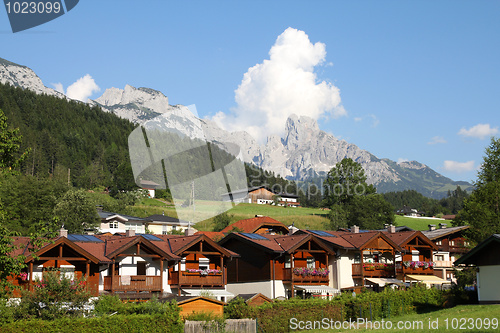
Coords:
288,262
204,263
137,227
357,258
164,230
311,263
439,257
415,255
438,242
113,225
174,227
452,243
141,268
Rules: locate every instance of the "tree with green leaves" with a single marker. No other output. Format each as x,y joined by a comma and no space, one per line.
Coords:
344,181
481,211
221,221
77,212
352,201
10,144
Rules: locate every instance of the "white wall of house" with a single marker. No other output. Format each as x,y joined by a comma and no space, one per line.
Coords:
163,229
341,271
128,266
263,287
112,226
487,283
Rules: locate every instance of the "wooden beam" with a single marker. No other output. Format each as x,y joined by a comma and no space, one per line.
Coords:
139,255
63,258
311,251
205,253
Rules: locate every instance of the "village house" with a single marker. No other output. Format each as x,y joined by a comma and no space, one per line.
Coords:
451,244
134,266
363,258
262,195
164,225
415,262
485,257
119,223
278,266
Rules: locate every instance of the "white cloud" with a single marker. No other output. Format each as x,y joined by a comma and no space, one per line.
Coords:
82,89
458,167
401,160
436,139
283,85
58,87
480,131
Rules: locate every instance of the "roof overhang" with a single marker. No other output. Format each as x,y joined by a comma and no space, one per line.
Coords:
385,281
427,279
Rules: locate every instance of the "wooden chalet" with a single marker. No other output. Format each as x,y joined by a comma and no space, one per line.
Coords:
70,257
415,264
278,266
133,266
451,244
201,268
363,258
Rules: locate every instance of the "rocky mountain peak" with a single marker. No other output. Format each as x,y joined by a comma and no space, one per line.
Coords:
23,77
299,130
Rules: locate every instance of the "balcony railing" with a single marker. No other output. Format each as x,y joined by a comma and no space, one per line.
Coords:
196,279
372,270
414,269
443,263
289,275
134,283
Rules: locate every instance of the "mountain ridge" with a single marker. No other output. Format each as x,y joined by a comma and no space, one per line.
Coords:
303,153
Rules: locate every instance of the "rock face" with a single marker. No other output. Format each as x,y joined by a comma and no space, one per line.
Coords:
22,76
305,151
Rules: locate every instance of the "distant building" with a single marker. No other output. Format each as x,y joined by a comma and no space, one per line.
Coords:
263,195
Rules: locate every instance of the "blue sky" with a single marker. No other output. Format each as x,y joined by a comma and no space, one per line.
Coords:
405,80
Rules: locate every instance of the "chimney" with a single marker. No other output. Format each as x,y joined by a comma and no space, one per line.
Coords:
432,227
63,232
442,225
392,229
355,229
130,233
189,231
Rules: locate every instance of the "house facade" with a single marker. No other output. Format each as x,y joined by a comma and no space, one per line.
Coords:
451,244
485,257
131,265
118,223
278,266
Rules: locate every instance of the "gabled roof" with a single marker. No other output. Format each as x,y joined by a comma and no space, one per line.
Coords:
65,241
178,244
103,215
351,240
213,235
249,297
442,232
276,243
165,218
472,256
404,237
252,224
120,244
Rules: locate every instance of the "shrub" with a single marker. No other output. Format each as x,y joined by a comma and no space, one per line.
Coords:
55,296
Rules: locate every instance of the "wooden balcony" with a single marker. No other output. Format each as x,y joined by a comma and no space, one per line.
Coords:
196,279
137,283
289,276
372,271
443,263
402,270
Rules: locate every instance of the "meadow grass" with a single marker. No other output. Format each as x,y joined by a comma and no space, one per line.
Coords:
463,318
418,224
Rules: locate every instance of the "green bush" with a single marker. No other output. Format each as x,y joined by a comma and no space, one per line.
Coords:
55,296
117,323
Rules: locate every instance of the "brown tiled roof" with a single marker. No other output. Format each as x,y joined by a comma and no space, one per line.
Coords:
213,235
252,224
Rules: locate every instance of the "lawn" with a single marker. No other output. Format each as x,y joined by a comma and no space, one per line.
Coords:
418,223
463,318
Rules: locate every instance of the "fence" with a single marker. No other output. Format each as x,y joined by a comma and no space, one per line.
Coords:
230,325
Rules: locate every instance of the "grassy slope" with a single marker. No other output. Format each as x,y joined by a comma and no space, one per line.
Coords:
418,224
458,312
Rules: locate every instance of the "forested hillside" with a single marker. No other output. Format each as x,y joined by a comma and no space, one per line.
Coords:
69,137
